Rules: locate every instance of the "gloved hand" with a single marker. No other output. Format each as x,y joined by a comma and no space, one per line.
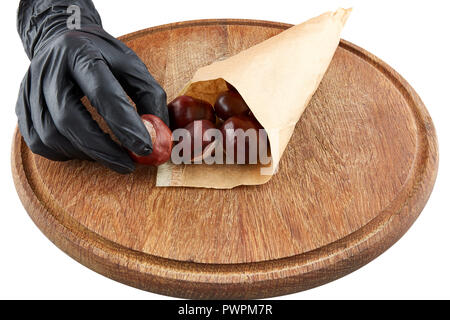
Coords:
69,64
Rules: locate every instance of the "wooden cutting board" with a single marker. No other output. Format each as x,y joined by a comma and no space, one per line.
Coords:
357,173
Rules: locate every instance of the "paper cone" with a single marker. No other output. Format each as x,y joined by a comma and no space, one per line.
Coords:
277,79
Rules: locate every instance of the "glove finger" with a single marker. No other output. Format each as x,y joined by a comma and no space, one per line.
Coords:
106,94
27,129
77,125
143,89
43,122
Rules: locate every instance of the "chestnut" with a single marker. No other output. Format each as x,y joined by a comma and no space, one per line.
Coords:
202,146
252,116
161,139
242,146
185,109
229,104
231,87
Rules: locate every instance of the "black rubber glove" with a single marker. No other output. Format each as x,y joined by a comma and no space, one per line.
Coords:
68,64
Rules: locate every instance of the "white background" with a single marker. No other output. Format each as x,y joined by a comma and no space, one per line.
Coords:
411,36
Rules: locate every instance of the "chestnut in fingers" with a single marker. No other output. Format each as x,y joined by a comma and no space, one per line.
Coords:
161,140
230,104
241,135
202,146
185,109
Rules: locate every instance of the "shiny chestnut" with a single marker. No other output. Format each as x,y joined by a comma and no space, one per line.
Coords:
241,146
185,109
161,140
231,87
230,104
202,146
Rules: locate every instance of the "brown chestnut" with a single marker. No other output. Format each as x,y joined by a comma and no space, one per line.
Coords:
252,116
242,146
202,146
185,109
230,104
161,139
231,87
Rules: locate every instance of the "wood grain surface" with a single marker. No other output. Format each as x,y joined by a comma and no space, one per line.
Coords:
355,176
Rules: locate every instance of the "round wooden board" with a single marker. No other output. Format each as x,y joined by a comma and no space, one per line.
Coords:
355,176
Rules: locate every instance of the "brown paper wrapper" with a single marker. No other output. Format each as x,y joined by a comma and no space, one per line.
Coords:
277,79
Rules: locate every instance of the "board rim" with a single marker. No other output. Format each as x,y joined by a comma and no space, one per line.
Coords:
246,280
